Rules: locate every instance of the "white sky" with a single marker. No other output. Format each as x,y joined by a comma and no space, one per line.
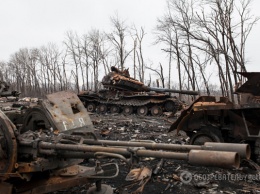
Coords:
34,23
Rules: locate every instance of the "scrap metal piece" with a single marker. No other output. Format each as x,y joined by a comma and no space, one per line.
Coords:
140,176
67,112
62,179
158,167
214,158
243,150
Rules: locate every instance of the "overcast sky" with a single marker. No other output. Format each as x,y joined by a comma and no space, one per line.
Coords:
34,23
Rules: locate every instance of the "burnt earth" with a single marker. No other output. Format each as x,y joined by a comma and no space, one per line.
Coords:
171,177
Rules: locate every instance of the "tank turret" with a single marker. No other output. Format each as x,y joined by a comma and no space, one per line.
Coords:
124,93
122,80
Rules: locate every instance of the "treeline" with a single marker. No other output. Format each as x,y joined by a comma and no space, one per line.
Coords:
196,36
204,35
77,62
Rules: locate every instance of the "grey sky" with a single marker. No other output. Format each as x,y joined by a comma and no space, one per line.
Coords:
33,23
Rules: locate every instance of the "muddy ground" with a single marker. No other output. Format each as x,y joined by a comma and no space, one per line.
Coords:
175,176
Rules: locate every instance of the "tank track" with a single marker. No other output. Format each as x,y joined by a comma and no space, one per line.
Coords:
137,102
132,102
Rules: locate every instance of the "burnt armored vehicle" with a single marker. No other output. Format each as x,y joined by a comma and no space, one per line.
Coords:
125,93
5,90
209,120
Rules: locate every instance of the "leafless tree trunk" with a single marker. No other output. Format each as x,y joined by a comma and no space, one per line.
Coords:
139,39
96,53
212,32
159,73
72,49
117,38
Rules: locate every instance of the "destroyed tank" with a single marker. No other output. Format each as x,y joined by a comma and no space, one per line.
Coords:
5,90
124,93
211,120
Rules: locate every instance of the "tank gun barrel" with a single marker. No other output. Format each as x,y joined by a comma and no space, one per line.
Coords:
189,92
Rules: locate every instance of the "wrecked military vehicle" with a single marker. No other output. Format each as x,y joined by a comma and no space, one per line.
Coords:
126,94
209,120
5,90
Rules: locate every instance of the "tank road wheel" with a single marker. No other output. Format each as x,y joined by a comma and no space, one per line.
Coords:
142,110
156,110
127,110
102,108
170,106
206,134
8,145
91,107
115,109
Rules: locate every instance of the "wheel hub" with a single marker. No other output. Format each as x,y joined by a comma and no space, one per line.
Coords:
90,108
127,110
156,111
142,110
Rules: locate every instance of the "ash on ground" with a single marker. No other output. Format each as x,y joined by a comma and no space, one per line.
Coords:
167,176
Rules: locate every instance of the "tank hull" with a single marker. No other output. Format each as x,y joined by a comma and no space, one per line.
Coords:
150,103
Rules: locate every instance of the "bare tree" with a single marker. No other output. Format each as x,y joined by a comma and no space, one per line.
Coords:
63,73
118,39
159,73
86,55
177,43
168,34
96,52
138,40
212,34
49,59
72,44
